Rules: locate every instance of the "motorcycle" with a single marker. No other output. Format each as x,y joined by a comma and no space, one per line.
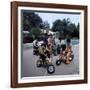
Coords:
47,64
60,60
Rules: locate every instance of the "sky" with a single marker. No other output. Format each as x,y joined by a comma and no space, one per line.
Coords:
51,17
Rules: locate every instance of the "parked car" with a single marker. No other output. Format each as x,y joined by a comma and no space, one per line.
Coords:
27,38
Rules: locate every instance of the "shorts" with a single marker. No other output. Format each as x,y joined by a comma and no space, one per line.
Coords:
63,46
43,57
48,54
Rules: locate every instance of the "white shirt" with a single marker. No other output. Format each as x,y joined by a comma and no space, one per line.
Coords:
34,42
63,42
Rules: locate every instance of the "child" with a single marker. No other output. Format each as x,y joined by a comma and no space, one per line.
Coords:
50,40
42,50
35,47
49,52
68,51
62,49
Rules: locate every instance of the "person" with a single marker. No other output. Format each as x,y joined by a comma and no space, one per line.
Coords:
48,52
53,39
54,46
45,39
42,50
35,43
59,45
35,47
63,44
68,50
50,40
62,49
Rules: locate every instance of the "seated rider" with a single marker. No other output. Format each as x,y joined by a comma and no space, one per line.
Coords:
48,52
42,50
68,50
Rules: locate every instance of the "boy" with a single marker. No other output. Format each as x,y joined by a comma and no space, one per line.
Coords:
42,50
68,51
49,52
62,49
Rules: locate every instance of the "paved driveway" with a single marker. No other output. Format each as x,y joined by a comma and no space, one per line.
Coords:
29,68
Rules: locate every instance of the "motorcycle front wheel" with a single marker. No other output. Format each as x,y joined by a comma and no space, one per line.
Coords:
50,69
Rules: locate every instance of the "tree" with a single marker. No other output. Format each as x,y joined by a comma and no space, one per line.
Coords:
61,26
45,25
36,32
73,30
70,29
66,28
57,25
30,20
78,26
65,23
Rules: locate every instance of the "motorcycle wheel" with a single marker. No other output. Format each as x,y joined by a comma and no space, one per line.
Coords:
39,63
72,57
50,69
58,62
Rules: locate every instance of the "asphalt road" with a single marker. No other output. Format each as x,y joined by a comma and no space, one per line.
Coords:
29,68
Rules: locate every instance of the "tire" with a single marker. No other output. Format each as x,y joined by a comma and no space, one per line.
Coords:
64,61
33,52
50,69
72,57
58,62
55,54
39,63
44,64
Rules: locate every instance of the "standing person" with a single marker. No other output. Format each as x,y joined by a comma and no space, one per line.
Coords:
45,39
53,38
59,46
54,46
62,48
50,40
68,50
63,44
35,47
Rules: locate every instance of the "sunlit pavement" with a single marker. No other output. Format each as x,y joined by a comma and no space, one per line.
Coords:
29,68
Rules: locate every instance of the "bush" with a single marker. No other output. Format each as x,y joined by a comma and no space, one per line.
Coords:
36,32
